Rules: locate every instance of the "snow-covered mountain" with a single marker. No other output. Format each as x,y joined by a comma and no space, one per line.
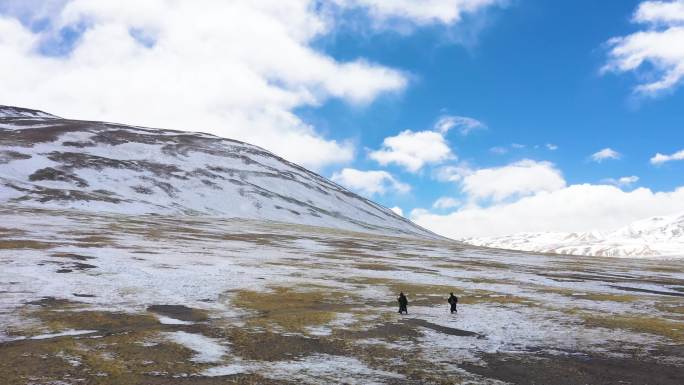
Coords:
47,161
656,236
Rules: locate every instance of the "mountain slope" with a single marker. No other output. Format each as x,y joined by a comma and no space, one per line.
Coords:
656,236
47,161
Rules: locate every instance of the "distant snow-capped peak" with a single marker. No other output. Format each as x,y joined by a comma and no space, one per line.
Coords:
651,237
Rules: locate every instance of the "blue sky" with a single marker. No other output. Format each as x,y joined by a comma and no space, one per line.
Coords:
533,77
325,83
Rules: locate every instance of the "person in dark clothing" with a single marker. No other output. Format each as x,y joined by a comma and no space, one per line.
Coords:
453,300
403,302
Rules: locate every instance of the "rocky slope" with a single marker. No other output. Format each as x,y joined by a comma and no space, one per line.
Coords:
652,237
47,161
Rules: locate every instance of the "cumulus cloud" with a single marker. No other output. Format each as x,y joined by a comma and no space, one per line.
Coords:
452,173
397,210
420,12
446,203
413,150
463,124
517,179
533,196
236,68
659,158
573,208
551,146
664,12
606,153
369,183
659,47
623,181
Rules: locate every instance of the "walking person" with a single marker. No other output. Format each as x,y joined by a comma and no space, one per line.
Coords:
453,300
403,303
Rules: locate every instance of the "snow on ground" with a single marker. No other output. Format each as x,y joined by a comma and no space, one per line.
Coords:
166,245
172,321
326,369
7,111
102,167
315,305
316,369
515,329
207,349
62,334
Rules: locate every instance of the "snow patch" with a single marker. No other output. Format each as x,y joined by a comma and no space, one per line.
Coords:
316,369
172,321
208,349
69,332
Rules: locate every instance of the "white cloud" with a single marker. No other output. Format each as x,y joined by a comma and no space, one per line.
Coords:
397,210
452,173
623,181
665,12
659,158
420,12
369,183
235,68
418,212
31,9
500,150
606,153
573,208
463,124
659,47
521,178
446,203
413,150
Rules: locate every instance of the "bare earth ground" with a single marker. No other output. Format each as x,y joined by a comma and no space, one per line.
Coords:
112,299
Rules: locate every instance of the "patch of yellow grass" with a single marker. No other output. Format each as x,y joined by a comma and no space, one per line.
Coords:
673,330
492,281
488,297
117,356
591,296
671,307
10,244
423,292
678,268
609,297
375,266
106,321
290,309
432,294
94,241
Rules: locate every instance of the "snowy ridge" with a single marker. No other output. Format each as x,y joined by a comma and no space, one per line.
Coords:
18,112
661,236
47,161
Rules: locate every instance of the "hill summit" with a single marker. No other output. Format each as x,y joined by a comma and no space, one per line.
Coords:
48,161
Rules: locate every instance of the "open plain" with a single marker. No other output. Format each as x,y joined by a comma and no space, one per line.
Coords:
150,299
